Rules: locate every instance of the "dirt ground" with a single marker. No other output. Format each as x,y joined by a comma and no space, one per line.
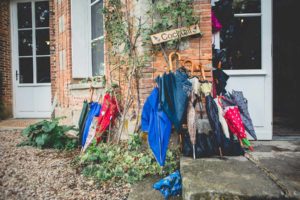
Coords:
30,173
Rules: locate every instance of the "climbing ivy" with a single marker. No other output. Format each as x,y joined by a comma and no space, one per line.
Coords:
168,15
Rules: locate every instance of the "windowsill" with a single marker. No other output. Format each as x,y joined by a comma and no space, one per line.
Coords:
84,86
246,72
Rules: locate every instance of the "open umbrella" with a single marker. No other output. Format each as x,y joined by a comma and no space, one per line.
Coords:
157,124
233,117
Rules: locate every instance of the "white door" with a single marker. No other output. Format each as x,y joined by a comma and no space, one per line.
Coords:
251,60
31,58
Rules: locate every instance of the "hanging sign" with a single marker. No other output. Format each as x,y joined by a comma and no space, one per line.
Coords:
175,34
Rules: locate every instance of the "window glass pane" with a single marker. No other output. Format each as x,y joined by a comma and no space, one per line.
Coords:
42,42
240,36
97,20
93,1
42,14
246,6
243,47
26,70
97,58
24,15
25,43
43,69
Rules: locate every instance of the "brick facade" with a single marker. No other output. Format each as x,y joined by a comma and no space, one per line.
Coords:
66,92
5,62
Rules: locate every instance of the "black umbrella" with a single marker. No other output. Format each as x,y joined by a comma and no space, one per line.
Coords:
212,114
82,119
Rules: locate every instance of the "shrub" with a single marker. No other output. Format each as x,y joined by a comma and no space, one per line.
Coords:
124,162
49,134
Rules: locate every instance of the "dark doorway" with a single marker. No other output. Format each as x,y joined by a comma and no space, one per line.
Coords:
286,67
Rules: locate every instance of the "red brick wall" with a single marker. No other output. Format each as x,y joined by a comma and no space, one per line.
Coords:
5,60
61,76
198,50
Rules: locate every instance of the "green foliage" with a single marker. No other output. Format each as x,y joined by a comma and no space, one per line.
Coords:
49,134
124,162
169,15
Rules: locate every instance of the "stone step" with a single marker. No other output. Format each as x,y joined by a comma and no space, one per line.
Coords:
272,173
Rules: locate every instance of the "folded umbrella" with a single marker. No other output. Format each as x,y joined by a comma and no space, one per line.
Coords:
233,117
212,114
107,115
157,124
82,119
242,104
94,111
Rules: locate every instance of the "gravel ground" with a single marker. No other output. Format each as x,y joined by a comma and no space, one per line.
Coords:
30,173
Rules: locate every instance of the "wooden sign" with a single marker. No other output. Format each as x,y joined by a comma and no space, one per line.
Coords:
175,34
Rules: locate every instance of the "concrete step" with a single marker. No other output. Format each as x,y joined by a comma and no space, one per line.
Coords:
239,178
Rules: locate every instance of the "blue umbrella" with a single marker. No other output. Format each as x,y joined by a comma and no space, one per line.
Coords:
158,126
94,111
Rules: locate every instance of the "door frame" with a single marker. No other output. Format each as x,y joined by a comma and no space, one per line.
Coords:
15,54
266,70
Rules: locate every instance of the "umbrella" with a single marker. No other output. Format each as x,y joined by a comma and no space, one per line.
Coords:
237,99
220,78
157,124
82,118
174,89
212,113
94,111
233,117
107,115
242,104
193,113
91,134
222,119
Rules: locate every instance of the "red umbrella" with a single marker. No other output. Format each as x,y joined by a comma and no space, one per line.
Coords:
233,118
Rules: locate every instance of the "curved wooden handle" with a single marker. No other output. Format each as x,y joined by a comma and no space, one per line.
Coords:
192,65
202,72
170,58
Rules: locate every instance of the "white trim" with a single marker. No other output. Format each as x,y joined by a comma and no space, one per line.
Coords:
247,15
267,63
246,72
15,58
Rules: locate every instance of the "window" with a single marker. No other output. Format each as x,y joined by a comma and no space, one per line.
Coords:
240,36
96,37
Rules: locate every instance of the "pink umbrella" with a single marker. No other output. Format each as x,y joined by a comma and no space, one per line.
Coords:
233,118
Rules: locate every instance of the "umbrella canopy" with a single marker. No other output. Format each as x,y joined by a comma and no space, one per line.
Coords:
107,115
220,78
94,111
242,104
213,117
233,117
174,89
158,126
238,100
82,119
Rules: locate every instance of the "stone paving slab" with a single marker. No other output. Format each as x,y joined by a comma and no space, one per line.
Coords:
239,178
232,178
144,191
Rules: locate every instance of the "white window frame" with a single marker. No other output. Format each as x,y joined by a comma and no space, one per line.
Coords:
91,40
248,72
